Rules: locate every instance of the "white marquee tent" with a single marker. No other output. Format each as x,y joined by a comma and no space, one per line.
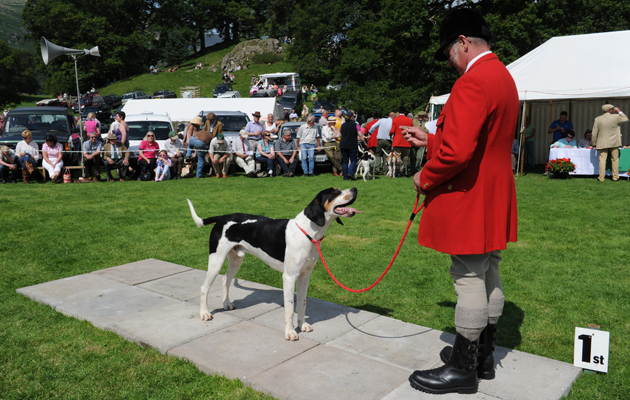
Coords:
577,74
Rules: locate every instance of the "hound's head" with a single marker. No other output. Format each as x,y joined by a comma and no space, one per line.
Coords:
331,203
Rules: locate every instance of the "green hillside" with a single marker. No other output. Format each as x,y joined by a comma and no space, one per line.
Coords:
186,75
11,30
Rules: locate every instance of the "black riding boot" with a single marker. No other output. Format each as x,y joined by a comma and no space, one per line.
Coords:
459,375
485,361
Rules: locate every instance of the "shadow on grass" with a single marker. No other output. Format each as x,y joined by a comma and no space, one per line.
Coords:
509,334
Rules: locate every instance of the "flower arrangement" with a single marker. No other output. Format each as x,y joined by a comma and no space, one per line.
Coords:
560,165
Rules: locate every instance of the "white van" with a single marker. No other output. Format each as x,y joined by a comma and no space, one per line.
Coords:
139,124
291,79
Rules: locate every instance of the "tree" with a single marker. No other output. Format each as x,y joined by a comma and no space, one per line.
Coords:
176,48
120,31
9,94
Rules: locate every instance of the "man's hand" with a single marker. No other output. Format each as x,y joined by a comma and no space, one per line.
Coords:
12,166
416,136
416,182
215,162
222,159
126,163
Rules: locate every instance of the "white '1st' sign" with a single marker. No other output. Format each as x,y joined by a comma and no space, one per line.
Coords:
591,349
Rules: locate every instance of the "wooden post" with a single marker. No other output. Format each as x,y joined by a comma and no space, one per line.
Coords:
521,150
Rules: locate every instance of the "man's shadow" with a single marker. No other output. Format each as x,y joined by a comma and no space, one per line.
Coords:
509,325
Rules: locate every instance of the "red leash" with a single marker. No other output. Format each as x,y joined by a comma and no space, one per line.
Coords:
317,242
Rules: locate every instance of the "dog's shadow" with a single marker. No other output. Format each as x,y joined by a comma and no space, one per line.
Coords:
253,300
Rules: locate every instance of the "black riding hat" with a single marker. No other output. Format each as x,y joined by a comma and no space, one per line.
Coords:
462,21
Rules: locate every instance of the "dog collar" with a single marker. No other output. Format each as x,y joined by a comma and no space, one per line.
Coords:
309,236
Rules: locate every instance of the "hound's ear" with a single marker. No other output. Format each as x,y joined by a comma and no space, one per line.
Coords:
315,211
339,221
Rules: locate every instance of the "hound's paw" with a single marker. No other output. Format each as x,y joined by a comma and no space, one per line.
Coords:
291,335
227,305
306,328
206,316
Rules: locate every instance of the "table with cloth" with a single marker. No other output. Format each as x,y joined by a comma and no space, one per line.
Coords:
587,160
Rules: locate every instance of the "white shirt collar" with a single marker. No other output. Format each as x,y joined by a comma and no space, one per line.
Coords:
475,59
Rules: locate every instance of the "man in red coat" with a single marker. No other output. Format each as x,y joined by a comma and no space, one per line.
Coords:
470,203
399,143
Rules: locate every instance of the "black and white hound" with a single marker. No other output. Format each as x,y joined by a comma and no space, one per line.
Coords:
282,244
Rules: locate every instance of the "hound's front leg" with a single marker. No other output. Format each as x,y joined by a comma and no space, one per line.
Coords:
302,288
288,288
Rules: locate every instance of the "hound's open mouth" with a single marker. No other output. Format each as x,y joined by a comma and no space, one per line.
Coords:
346,211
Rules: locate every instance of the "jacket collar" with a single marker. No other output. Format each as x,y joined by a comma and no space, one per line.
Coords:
489,56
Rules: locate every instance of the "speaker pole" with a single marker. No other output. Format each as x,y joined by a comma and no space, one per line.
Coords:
76,74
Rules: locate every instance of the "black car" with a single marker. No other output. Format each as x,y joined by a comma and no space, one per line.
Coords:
101,111
221,88
42,121
85,102
164,94
113,100
320,105
321,159
291,101
233,122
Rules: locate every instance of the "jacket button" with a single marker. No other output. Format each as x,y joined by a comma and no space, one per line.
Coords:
449,187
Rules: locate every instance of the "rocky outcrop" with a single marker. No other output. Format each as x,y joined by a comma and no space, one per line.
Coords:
244,52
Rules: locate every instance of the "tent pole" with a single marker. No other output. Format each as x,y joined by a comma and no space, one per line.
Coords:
521,140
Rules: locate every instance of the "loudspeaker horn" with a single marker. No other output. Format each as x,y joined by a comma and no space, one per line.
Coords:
51,50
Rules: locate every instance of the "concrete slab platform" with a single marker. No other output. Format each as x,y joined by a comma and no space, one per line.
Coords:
141,271
523,376
350,354
115,306
406,392
251,299
396,342
328,373
167,327
72,289
241,351
183,286
329,320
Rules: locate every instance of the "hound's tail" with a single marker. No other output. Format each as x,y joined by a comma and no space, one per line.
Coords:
198,221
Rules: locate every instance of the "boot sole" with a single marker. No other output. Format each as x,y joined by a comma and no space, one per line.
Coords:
460,390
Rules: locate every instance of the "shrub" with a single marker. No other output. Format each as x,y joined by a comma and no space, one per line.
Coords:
267,58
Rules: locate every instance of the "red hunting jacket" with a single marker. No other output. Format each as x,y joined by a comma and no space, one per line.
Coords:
471,203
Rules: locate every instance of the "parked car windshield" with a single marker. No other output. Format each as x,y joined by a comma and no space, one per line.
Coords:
288,100
16,123
232,122
128,96
139,129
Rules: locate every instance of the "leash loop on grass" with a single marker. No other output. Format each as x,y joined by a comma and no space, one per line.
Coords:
317,242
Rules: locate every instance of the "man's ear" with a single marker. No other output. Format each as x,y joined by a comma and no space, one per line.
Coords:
315,212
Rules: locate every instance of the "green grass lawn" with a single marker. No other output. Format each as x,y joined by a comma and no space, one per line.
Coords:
569,268
187,75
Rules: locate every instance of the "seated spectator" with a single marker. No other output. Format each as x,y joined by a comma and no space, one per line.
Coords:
243,154
52,157
147,155
92,157
163,166
567,142
515,151
286,152
175,149
8,164
116,156
219,155
28,153
265,154
293,116
586,143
